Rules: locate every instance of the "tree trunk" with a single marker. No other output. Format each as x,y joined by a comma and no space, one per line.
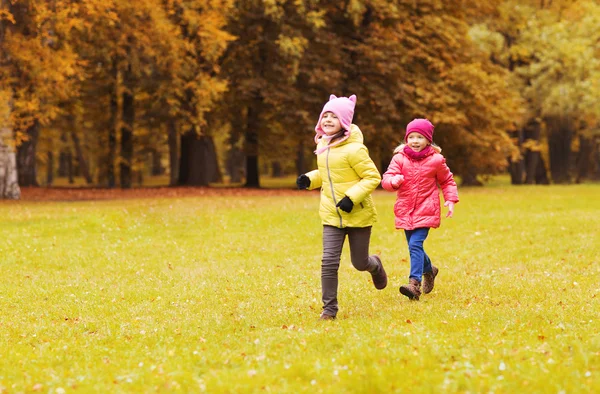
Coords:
532,163
234,163
70,171
235,167
26,160
535,168
211,160
541,172
585,158
596,159
251,145
560,135
470,179
517,168
63,164
80,158
139,177
386,156
199,164
532,154
300,159
277,169
173,154
185,157
157,168
252,173
127,133
112,132
50,168
9,187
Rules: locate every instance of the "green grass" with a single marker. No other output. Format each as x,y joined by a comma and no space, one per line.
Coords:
222,294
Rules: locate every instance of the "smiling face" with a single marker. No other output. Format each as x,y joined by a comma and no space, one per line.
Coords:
416,141
330,124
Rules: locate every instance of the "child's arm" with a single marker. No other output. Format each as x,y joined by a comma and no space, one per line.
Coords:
446,181
315,179
393,178
367,172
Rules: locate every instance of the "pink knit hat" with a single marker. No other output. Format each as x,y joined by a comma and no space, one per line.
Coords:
343,108
421,126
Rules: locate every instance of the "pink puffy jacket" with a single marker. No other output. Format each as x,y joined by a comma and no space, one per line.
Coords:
418,201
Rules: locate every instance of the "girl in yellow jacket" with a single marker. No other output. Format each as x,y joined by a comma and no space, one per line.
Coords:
346,176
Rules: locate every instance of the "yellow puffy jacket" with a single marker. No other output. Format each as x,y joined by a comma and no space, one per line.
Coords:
346,170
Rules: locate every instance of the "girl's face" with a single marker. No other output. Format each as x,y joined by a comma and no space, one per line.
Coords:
416,141
330,124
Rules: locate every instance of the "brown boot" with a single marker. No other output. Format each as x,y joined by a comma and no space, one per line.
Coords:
379,276
412,290
429,279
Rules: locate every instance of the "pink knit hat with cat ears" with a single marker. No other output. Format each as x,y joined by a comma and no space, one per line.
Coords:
421,126
343,108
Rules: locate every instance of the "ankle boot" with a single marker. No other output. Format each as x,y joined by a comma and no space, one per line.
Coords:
379,275
412,290
429,279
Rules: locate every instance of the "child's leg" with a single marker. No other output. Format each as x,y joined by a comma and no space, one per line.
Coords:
359,252
429,274
333,241
415,239
359,239
427,267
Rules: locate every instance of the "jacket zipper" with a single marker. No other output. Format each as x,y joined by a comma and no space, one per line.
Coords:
418,176
331,186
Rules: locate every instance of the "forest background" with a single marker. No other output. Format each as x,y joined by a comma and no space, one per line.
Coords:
226,91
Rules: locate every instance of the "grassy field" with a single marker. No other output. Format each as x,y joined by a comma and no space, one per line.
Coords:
221,294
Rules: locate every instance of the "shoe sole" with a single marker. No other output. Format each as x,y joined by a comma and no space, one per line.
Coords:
406,292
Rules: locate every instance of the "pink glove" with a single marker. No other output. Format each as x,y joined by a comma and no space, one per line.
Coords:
450,206
397,180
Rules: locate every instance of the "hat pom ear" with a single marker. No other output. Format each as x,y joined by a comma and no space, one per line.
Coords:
353,98
332,97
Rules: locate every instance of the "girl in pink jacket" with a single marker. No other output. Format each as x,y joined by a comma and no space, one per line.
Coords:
414,173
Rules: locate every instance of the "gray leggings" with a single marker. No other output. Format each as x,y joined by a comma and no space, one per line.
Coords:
333,242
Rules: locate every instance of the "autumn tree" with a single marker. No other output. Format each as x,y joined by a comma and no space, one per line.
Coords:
549,49
9,187
262,66
563,80
121,43
196,87
498,37
146,76
39,69
407,60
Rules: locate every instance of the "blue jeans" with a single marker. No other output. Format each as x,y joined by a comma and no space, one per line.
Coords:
419,261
